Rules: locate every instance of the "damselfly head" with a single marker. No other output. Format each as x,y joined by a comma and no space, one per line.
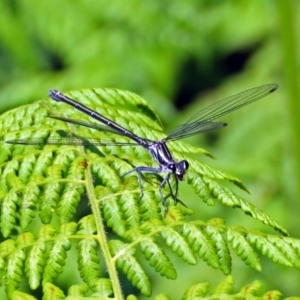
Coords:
181,168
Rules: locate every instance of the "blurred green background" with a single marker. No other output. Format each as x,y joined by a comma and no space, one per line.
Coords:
179,55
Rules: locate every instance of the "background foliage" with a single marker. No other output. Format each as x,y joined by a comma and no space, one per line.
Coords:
178,55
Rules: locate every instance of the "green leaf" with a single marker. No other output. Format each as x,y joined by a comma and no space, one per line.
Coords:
238,237
126,261
28,204
56,258
35,263
196,291
153,253
16,295
203,169
273,295
221,246
77,291
7,247
273,248
111,210
52,292
162,297
251,289
178,244
8,212
14,270
158,259
88,258
226,286
117,229
210,190
102,288
201,244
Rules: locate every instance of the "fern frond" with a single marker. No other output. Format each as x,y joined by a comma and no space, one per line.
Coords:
14,270
225,290
102,288
88,261
28,203
225,287
153,253
201,244
8,212
180,147
210,172
243,248
126,262
222,250
158,259
88,258
77,291
251,289
280,250
42,185
58,253
52,292
16,295
35,263
210,190
178,245
196,291
51,194
111,210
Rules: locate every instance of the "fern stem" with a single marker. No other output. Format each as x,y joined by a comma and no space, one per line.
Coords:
287,25
101,237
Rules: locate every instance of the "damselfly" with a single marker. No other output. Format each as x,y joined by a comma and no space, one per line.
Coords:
201,122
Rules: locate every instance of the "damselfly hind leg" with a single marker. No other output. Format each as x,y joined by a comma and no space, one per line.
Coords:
139,171
166,179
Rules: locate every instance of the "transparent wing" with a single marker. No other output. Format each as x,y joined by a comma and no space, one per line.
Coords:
86,124
67,141
202,121
193,128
